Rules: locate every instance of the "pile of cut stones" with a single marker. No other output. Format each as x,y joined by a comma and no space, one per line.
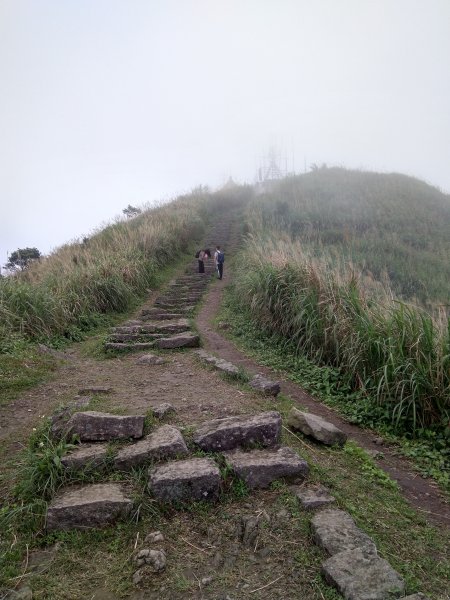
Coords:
353,567
173,476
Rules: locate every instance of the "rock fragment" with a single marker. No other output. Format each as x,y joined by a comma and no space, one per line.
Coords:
336,531
264,385
316,427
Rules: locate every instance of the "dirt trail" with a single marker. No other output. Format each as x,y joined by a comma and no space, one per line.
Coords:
199,545
422,493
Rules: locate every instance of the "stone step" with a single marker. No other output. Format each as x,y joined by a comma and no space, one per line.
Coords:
161,315
154,327
316,427
85,456
86,507
134,337
185,480
128,347
264,385
336,531
164,442
258,468
95,426
181,308
233,432
181,340
361,575
218,363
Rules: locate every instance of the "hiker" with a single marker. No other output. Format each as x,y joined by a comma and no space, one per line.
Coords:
201,259
219,259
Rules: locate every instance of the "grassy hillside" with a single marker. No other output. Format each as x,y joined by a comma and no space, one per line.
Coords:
393,228
300,286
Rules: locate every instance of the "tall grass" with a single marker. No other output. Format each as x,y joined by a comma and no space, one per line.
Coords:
101,274
393,351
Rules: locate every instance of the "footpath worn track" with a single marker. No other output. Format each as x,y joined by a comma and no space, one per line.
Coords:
158,416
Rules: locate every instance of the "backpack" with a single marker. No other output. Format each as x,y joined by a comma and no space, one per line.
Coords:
197,254
220,258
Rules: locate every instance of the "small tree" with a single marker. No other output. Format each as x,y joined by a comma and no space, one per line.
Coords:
131,211
21,258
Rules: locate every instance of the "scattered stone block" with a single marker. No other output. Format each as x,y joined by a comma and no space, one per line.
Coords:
186,480
312,497
85,456
232,432
163,409
150,359
316,427
165,442
336,531
258,468
86,507
181,340
267,387
361,575
221,365
92,426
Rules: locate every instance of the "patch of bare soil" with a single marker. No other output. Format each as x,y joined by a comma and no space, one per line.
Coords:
422,493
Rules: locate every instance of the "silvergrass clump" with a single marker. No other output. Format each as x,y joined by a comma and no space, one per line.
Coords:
391,350
102,274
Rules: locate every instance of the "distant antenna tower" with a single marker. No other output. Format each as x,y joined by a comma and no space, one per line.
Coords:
270,168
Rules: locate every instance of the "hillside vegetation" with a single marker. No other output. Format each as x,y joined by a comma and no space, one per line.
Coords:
66,292
393,228
300,285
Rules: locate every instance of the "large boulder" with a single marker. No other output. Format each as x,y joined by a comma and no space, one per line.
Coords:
164,442
96,426
185,480
86,507
316,427
233,432
258,468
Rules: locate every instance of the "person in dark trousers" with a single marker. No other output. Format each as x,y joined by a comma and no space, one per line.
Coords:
203,254
219,258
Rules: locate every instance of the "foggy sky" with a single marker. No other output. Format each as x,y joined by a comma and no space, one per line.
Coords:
104,103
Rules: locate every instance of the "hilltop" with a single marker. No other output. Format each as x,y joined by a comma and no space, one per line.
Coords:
394,228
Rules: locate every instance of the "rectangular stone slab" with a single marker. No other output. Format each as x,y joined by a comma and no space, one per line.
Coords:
89,506
316,427
97,426
258,468
233,432
185,480
182,340
359,575
336,531
218,363
86,455
164,442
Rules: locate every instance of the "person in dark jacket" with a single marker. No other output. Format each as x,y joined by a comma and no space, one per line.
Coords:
203,254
